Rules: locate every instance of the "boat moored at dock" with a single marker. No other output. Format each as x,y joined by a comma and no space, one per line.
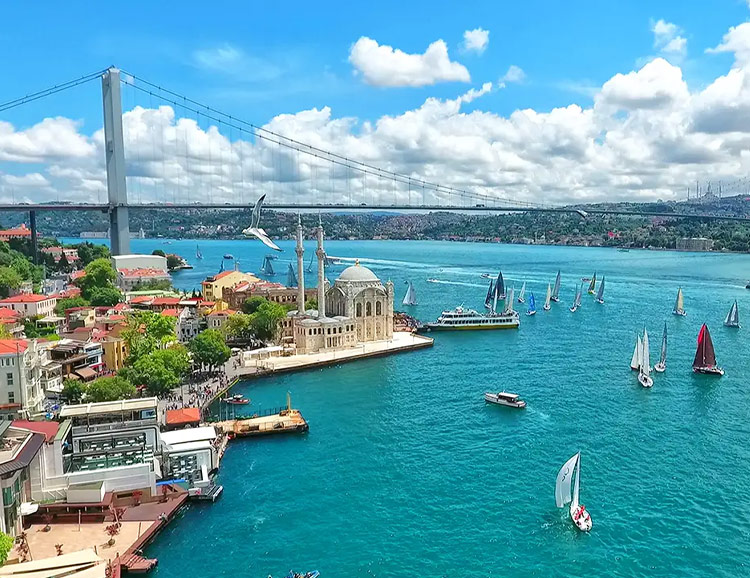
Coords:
505,398
464,319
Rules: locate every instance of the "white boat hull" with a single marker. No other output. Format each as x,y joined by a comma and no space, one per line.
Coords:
600,301
495,399
679,313
660,368
645,380
733,325
546,307
584,522
574,309
530,313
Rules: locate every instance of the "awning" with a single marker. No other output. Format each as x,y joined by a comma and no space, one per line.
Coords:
85,373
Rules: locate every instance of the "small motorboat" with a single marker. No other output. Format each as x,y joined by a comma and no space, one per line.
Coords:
293,574
486,276
748,285
505,398
238,399
433,280
228,257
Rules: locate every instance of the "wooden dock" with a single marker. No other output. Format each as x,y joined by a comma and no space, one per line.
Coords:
285,421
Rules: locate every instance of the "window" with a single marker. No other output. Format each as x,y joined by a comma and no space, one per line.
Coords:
359,310
368,309
9,378
378,308
11,397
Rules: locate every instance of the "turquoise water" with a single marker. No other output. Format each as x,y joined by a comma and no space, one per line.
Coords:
406,472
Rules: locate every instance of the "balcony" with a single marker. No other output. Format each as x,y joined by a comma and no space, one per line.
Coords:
79,430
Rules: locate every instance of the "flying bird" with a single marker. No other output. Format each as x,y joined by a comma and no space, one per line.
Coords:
255,230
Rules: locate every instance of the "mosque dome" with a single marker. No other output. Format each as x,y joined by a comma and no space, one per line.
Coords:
358,273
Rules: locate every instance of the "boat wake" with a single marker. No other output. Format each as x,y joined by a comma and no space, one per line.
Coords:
462,283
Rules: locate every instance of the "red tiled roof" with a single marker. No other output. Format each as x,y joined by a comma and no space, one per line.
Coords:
170,312
225,312
77,274
22,231
8,346
142,299
221,275
183,416
166,301
116,318
119,307
207,303
141,272
69,292
48,428
9,314
29,298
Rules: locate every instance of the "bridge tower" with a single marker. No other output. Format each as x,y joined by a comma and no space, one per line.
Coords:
114,151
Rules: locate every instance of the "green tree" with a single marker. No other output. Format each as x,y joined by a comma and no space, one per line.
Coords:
99,274
22,266
148,331
151,371
10,279
239,327
68,303
73,390
89,252
4,332
63,264
266,320
311,304
173,261
109,389
252,304
209,348
105,296
6,545
158,252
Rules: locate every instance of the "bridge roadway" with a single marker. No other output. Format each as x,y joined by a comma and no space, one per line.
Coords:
479,208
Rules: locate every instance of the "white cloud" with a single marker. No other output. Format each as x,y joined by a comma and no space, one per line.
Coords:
476,40
231,61
736,41
33,180
646,136
514,74
382,65
668,39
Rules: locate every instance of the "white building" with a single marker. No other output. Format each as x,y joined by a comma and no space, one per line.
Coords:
140,262
20,464
188,324
21,392
190,454
31,305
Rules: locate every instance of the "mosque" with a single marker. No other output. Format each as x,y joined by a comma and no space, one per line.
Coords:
357,308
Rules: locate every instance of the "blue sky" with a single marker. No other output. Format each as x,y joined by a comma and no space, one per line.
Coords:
293,55
609,100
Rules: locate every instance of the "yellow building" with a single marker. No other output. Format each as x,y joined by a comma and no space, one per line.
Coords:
115,352
213,287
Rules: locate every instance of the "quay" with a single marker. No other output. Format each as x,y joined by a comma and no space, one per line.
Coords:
276,421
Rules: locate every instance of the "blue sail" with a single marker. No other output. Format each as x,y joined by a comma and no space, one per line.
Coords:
291,279
490,290
500,286
532,303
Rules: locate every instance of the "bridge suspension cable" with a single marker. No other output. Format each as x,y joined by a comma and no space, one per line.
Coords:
232,122
51,90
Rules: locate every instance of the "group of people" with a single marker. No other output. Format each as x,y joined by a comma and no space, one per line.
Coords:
197,394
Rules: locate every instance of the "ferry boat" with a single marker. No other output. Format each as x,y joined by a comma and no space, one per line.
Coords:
505,398
460,318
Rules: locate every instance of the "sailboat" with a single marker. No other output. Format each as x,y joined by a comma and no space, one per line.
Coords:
705,356
556,291
522,293
291,278
592,285
577,300
532,306
733,317
635,361
310,264
679,304
198,254
644,371
662,365
600,294
267,267
509,302
490,295
547,299
500,286
572,469
411,296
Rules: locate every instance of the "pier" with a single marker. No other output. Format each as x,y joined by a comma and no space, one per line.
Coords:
273,421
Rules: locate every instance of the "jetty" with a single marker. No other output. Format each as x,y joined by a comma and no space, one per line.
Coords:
272,421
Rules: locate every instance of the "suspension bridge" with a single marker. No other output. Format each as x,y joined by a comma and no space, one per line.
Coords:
161,158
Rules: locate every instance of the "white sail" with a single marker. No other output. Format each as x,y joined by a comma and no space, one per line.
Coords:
679,304
733,317
522,293
600,294
645,361
564,481
663,355
549,295
509,300
494,303
576,484
556,290
411,296
635,362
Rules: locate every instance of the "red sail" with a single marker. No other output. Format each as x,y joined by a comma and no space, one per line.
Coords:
704,355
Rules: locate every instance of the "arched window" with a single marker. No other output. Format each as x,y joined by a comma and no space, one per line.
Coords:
359,310
378,308
368,309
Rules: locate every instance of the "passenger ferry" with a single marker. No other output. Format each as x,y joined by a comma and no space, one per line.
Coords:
460,318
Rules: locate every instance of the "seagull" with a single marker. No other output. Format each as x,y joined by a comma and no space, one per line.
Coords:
255,230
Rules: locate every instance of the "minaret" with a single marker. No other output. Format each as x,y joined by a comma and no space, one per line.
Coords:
321,272
300,250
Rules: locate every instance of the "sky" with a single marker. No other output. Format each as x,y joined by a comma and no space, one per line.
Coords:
542,102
